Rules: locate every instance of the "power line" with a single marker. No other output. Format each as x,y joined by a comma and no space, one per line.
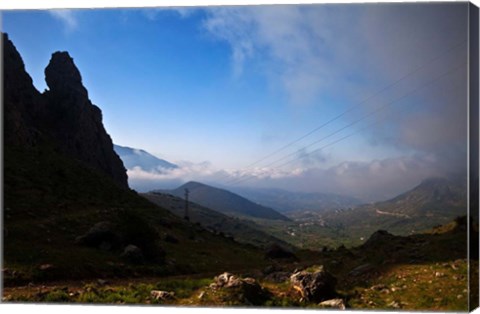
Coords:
354,106
238,180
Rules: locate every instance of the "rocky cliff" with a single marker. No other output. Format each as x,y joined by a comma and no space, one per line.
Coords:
63,115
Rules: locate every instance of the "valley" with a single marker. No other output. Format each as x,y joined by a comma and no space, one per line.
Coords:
76,231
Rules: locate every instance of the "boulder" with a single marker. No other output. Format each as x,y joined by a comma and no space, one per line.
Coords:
315,285
133,254
101,235
334,303
162,295
243,290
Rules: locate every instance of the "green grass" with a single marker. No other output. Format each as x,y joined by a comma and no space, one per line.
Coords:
51,199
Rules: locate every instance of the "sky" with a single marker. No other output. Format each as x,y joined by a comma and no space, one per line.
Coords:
364,100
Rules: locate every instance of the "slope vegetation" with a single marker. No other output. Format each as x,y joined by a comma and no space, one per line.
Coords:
241,230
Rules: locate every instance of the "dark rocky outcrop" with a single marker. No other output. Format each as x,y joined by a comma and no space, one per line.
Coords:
314,285
62,116
22,102
379,239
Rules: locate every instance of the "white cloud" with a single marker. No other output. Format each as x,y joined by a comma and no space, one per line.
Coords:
369,181
347,50
67,16
297,46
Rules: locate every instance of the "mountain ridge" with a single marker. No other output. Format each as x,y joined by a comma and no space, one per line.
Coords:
133,157
224,201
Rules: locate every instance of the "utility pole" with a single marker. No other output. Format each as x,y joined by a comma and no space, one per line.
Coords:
186,217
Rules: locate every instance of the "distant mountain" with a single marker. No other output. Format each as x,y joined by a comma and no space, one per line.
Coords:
433,196
286,201
133,157
225,201
241,230
433,202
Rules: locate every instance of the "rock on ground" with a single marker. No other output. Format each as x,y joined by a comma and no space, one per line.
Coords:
246,290
316,285
334,303
162,295
133,254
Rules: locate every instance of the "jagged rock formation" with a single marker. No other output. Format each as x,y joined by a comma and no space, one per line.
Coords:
22,102
63,116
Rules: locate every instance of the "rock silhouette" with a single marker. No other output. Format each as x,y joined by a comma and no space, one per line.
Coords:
63,115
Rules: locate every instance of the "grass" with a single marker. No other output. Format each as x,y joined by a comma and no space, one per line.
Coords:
51,199
436,287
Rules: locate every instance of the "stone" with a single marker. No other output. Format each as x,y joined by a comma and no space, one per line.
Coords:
102,282
334,303
162,295
44,267
101,235
246,290
133,254
378,287
314,286
394,304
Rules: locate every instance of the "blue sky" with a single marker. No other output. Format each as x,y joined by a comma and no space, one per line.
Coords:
216,89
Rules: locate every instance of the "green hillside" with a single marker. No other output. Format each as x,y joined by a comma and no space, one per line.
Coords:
225,202
239,229
50,200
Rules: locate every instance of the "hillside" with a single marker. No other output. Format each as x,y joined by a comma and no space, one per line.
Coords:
225,202
433,202
133,157
66,216
421,272
241,230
